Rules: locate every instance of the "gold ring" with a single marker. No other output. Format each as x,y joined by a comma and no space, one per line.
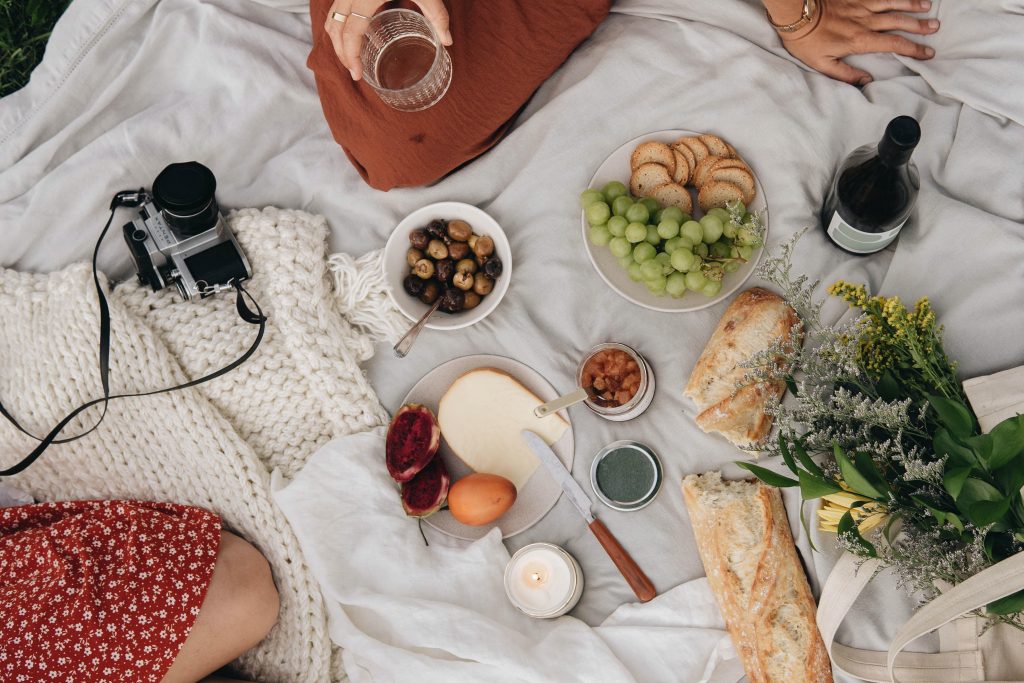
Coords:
361,16
339,17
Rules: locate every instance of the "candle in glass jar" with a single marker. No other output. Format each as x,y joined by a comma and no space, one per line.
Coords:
543,580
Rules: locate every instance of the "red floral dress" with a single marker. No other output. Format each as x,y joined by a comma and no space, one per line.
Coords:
100,591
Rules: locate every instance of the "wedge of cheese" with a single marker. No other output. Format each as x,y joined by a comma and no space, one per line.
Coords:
482,416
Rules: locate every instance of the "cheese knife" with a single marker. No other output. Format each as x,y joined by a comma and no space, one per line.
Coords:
635,577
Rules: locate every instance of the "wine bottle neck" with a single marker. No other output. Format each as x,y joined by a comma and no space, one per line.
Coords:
898,143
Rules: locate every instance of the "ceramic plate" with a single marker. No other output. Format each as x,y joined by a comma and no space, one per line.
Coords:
540,493
616,167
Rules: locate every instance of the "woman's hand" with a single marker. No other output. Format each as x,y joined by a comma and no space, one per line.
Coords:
348,36
850,27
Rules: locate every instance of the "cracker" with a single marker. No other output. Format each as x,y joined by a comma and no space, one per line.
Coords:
674,194
646,177
716,145
682,173
653,152
717,193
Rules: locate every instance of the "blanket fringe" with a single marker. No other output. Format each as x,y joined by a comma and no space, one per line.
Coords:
362,295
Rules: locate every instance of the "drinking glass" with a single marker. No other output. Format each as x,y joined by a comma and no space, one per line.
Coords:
404,60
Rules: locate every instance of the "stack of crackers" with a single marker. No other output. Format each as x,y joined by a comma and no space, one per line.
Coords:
706,162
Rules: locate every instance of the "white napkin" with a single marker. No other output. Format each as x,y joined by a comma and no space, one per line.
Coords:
402,610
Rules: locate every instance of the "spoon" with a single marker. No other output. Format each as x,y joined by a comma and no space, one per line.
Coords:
404,344
580,395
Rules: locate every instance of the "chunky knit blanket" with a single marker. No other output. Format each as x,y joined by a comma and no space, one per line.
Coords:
215,445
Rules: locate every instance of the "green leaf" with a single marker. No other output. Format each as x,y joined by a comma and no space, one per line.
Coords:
985,512
1008,605
954,415
1007,439
813,486
768,476
944,444
853,478
806,461
887,387
791,384
806,524
847,527
1010,477
787,457
955,521
954,479
866,466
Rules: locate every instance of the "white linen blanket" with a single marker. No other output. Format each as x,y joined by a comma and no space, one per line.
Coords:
128,86
403,611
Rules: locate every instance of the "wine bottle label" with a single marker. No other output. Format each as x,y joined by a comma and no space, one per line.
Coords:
858,241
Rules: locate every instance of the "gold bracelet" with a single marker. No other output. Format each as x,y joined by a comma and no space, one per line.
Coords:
806,17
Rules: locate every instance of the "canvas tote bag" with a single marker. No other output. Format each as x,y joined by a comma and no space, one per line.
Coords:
965,655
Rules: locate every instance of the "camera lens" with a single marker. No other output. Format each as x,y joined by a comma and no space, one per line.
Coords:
184,194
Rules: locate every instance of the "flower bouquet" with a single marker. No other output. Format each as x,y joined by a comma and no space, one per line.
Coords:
880,430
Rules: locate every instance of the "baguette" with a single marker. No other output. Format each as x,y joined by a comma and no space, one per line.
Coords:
753,322
754,571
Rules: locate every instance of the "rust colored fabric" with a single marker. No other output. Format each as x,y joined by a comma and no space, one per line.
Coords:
501,53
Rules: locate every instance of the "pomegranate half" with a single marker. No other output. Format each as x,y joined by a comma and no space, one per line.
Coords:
425,493
413,438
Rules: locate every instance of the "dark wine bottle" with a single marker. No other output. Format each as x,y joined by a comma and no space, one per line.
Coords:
874,191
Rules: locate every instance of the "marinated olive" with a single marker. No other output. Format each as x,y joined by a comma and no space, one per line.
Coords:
424,269
419,239
463,281
493,267
413,285
412,256
431,290
458,250
484,246
459,230
482,285
472,300
466,265
445,269
436,229
452,300
437,249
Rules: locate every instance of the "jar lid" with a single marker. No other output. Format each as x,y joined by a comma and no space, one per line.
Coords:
626,475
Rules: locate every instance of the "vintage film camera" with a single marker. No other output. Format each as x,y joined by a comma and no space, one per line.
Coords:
180,236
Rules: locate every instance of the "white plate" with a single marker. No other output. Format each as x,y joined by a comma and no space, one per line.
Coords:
396,267
540,493
616,167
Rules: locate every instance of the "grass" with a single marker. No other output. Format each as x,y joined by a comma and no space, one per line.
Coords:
25,26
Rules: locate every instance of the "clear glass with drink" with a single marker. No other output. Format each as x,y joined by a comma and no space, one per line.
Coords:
404,60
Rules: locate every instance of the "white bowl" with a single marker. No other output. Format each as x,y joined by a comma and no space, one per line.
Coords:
616,167
396,267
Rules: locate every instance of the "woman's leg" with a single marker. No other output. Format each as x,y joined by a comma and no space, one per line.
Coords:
240,608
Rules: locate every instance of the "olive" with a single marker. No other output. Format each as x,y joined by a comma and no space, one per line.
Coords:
493,267
483,285
452,300
472,300
445,269
419,239
424,269
413,285
437,249
463,281
431,290
436,229
466,265
459,230
412,256
458,250
484,246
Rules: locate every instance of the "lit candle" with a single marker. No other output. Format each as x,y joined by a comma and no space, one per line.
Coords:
543,580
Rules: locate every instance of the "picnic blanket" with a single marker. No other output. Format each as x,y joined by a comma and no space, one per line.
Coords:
128,86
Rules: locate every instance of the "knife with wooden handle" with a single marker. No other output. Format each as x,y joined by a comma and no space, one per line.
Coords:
635,577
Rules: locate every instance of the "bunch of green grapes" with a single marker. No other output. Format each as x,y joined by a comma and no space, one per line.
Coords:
666,249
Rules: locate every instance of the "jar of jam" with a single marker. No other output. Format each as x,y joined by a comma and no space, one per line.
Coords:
620,381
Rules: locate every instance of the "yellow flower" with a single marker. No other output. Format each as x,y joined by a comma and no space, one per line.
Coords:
835,505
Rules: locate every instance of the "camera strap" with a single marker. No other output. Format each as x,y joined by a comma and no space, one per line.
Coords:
244,312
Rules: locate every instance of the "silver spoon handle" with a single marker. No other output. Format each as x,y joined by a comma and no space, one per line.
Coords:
561,402
405,343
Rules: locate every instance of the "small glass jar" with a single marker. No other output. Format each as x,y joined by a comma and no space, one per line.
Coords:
626,475
640,400
543,581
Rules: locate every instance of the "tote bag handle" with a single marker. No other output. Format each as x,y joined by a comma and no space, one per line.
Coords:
847,581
